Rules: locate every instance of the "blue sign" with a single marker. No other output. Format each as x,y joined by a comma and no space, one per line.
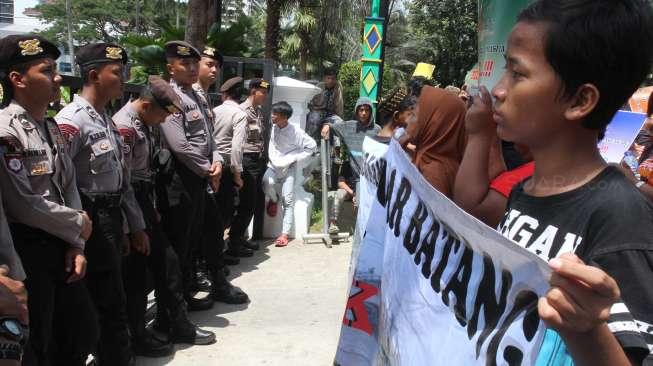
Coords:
621,133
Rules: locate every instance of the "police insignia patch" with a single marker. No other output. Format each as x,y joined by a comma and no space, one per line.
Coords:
114,53
104,146
126,149
183,51
30,47
196,115
209,51
15,165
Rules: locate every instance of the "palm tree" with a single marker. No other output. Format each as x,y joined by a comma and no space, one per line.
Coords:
273,27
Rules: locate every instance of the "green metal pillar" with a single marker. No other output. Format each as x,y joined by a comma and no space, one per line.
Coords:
372,53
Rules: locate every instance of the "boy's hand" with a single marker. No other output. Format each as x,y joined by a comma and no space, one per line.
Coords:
325,131
580,296
478,120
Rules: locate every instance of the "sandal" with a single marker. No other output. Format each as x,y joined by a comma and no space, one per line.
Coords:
272,208
281,241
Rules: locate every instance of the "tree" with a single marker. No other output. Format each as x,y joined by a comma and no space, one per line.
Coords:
444,33
201,14
273,27
99,20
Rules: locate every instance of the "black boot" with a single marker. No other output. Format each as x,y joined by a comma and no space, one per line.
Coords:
161,321
183,331
231,261
201,304
201,281
246,243
223,291
236,249
149,346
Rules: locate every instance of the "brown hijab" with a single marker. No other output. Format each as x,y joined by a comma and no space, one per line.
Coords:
439,135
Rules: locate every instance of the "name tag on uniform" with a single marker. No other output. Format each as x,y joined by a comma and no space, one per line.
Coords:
97,135
40,168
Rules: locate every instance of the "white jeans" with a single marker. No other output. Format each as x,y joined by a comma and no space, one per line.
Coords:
272,183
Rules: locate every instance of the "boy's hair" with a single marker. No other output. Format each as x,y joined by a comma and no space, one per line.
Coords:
331,72
283,109
416,84
600,42
85,70
7,86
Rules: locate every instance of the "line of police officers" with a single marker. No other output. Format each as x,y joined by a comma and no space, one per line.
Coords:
78,187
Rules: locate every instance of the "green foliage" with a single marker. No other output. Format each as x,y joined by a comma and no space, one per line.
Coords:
350,78
234,40
100,20
443,33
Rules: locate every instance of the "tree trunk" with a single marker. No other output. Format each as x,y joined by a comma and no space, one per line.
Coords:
196,24
273,28
214,13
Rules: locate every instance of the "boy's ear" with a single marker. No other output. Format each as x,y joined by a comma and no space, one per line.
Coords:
583,102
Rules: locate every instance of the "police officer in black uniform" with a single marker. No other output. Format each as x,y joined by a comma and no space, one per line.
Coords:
103,180
199,166
135,120
43,206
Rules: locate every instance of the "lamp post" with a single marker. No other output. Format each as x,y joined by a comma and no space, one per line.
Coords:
372,60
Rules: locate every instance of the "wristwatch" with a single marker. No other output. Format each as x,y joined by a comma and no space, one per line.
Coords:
11,329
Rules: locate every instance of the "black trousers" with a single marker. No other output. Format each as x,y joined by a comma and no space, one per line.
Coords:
163,264
192,226
104,282
63,324
225,197
250,194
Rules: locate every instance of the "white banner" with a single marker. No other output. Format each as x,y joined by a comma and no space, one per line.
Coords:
452,290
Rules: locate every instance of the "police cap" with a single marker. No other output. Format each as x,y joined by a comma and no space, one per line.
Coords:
231,83
164,95
17,49
94,53
259,84
181,49
214,54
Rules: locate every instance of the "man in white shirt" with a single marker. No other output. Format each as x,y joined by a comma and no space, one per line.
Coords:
288,145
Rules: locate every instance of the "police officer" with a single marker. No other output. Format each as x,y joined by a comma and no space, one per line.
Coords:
199,165
253,163
210,66
157,100
43,206
103,180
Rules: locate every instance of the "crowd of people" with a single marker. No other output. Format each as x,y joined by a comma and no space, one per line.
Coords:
92,203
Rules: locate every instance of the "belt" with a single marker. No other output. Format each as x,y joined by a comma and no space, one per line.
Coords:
104,200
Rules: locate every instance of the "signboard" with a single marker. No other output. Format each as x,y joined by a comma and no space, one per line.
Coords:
620,134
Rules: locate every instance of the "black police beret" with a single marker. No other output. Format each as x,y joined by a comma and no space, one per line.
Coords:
164,95
100,53
231,83
181,49
214,54
16,49
259,84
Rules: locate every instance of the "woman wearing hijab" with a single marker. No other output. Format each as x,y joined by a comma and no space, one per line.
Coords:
439,137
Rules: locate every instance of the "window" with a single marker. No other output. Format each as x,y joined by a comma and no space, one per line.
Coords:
7,11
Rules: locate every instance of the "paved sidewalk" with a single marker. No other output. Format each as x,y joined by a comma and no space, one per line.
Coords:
297,296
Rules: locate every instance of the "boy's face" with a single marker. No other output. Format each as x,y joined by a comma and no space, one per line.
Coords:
42,80
363,114
330,81
528,109
279,119
111,78
184,70
209,70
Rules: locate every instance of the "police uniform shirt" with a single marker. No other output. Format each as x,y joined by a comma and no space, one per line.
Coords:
203,95
137,144
229,133
188,133
97,153
37,176
255,128
8,255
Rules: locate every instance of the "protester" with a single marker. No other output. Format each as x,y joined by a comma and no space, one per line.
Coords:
483,183
395,111
570,66
156,102
327,106
439,137
199,166
351,133
230,137
253,162
288,145
43,207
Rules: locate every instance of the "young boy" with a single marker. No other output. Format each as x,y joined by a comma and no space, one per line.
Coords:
351,133
570,66
288,145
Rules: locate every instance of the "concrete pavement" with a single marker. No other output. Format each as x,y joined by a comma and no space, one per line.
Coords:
297,297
